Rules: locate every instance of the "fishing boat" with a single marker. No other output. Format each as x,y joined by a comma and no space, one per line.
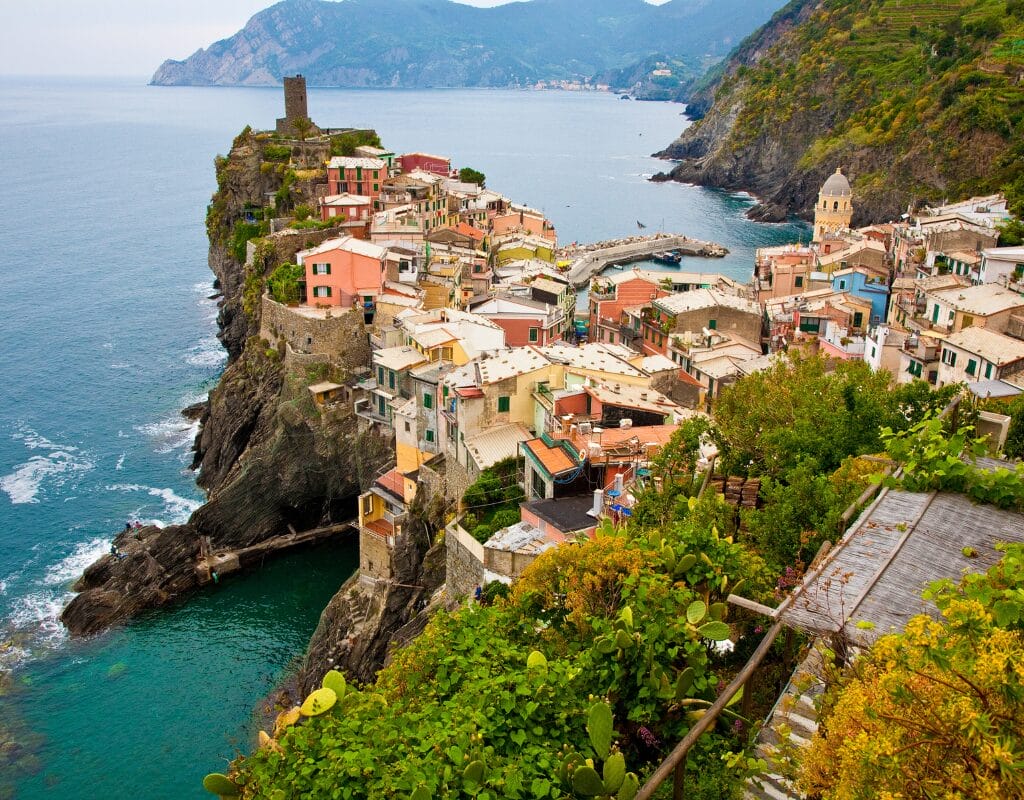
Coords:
668,257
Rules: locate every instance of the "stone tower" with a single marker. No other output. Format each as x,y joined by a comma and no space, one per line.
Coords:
835,206
295,98
295,105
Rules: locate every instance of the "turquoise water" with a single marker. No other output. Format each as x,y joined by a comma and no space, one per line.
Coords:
109,331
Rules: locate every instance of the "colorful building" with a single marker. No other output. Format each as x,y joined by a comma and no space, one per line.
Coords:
354,175
343,273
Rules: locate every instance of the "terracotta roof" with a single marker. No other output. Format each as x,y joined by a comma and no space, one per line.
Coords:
393,482
554,459
466,229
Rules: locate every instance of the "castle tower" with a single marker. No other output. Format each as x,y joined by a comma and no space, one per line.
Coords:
295,98
835,206
295,105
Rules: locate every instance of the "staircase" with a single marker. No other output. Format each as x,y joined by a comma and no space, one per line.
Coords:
788,730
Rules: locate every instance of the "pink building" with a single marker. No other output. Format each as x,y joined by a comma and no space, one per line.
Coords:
525,321
609,297
439,165
360,176
522,220
343,273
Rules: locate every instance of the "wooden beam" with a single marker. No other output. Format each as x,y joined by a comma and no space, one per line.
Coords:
751,605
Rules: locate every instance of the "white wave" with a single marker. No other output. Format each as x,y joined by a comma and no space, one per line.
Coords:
208,353
3,587
37,612
120,463
71,567
171,433
25,482
121,366
178,508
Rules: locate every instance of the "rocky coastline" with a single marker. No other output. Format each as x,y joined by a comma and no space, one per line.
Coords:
269,461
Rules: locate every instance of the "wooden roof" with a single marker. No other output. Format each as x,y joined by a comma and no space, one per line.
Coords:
871,582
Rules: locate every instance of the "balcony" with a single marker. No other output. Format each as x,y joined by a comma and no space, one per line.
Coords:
366,410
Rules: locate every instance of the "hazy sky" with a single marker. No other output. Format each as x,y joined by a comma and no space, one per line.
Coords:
118,37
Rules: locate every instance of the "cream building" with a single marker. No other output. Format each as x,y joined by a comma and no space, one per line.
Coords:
835,206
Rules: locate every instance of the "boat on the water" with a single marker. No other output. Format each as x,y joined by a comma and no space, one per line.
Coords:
668,257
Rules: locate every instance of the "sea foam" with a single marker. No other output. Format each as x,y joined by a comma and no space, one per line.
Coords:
58,464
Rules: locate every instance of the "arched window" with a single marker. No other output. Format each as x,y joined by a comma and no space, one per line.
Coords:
835,206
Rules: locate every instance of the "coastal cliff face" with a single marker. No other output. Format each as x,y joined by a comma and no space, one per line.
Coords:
269,458
916,101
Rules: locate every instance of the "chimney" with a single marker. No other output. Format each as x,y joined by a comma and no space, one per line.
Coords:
598,506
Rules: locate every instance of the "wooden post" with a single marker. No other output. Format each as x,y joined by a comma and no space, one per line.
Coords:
679,780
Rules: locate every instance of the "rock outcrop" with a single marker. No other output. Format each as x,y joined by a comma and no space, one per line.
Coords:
269,458
916,103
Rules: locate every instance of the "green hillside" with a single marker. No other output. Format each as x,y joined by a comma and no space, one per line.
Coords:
917,99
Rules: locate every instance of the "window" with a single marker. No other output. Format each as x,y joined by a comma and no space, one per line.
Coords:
407,427
948,357
428,400
952,314
988,371
429,436
504,404
367,500
799,281
712,324
321,269
842,285
858,319
321,291
376,186
380,376
972,366
391,378
534,334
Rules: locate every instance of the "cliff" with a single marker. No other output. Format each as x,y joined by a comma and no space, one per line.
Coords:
395,43
269,458
916,100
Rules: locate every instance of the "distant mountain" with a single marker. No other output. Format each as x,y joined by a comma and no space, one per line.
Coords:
914,99
425,43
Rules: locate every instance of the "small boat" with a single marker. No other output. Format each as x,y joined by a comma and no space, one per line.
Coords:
668,257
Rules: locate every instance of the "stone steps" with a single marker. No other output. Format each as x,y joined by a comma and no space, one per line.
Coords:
797,712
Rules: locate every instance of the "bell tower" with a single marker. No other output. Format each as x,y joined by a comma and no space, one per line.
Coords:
834,209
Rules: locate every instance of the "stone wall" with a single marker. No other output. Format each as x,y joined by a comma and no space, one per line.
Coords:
374,557
457,480
465,563
341,337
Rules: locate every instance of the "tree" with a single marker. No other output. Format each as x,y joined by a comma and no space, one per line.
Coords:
303,127
802,407
470,175
937,711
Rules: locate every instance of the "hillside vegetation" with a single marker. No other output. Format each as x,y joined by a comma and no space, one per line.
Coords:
916,100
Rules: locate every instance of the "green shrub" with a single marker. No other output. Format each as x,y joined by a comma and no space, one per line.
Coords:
303,212
504,518
277,152
284,283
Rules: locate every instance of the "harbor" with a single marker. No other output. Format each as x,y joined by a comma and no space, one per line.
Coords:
588,261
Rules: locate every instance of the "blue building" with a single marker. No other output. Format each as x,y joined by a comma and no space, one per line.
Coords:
868,286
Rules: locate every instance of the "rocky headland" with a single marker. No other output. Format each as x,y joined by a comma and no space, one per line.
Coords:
269,459
915,104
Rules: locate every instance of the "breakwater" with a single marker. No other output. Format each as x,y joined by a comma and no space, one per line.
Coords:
590,260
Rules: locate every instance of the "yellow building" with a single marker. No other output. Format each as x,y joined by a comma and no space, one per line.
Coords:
835,206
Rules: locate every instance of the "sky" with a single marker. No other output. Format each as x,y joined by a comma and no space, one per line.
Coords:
118,37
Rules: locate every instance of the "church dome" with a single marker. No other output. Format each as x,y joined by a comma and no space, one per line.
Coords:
836,186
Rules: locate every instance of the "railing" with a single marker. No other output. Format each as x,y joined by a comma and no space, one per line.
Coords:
675,764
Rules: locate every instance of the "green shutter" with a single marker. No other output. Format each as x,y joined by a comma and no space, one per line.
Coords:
988,371
428,400
972,366
504,403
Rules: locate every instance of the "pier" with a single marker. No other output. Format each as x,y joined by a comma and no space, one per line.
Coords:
592,259
218,563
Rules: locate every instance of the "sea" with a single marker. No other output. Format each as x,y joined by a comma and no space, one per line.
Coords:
109,330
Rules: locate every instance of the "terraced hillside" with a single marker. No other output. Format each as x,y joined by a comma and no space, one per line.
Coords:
914,99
